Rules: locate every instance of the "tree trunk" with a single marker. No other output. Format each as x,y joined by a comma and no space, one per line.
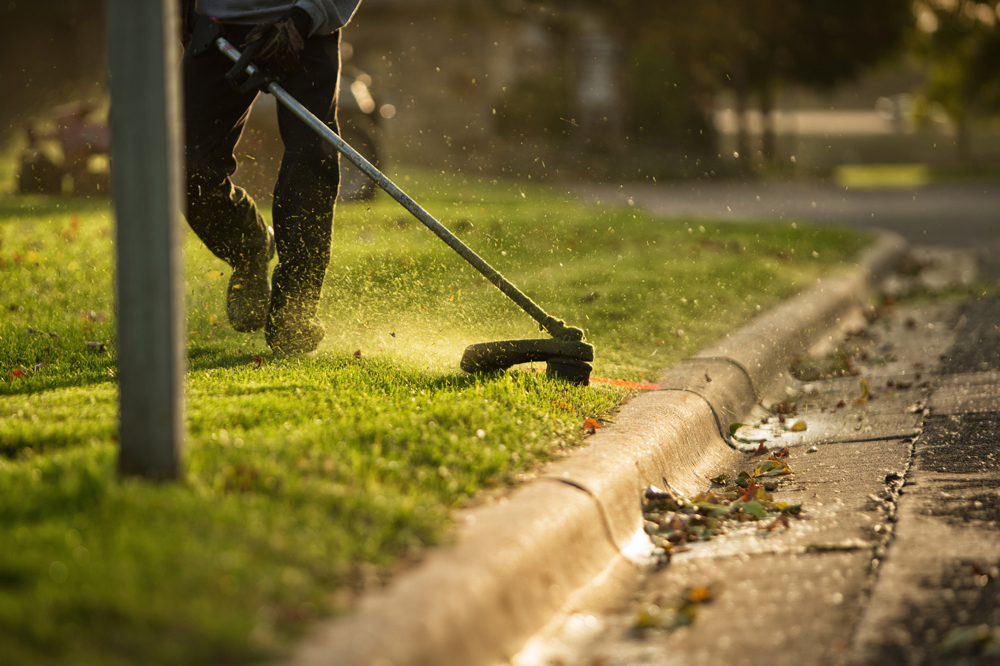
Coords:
742,131
767,124
741,89
963,140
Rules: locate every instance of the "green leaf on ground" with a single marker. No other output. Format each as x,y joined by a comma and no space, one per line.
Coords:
754,509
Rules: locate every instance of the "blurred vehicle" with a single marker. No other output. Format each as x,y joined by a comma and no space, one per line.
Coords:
67,152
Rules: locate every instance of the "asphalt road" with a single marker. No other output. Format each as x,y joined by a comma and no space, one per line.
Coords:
953,215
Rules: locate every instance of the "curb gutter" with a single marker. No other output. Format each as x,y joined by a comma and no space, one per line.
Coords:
517,564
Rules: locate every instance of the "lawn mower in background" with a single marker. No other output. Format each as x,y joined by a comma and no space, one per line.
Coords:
67,153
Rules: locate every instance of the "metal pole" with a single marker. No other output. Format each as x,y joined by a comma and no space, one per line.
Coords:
144,64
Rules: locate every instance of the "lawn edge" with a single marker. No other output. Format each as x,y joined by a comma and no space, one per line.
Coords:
521,563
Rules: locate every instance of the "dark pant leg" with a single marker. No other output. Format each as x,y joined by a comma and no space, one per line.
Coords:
221,214
308,180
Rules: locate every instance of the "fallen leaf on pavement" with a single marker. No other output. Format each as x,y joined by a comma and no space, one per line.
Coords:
785,408
591,425
723,479
866,389
772,468
750,492
699,594
755,509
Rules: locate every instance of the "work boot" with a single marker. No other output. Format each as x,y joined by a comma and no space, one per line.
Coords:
249,294
289,333
292,327
292,330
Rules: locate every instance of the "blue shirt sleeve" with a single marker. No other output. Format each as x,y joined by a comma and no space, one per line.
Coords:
329,15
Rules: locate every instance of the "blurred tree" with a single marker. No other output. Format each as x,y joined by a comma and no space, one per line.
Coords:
752,47
960,41
814,43
52,52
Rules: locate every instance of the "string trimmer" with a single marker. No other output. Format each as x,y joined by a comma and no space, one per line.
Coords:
565,354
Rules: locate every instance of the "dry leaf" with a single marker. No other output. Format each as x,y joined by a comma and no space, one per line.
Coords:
699,595
750,492
798,426
772,468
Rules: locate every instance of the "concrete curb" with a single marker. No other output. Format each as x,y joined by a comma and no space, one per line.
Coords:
516,564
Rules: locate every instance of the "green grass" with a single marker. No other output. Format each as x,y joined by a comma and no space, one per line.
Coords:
908,176
883,176
308,478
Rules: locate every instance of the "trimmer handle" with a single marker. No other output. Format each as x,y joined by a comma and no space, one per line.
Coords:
243,80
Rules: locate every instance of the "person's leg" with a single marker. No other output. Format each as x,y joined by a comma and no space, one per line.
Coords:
222,215
304,198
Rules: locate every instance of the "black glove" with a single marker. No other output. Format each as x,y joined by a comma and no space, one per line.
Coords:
281,40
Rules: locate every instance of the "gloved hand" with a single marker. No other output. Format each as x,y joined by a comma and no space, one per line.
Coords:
281,40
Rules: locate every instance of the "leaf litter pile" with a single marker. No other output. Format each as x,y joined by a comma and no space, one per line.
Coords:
672,521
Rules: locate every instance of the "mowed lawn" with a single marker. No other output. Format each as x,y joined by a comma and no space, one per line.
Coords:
308,479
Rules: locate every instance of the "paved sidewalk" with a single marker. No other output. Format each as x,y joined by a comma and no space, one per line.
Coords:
898,560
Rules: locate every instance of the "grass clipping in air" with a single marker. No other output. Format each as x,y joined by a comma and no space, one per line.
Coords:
308,478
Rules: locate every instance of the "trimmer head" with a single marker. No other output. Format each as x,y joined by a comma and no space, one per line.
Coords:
565,359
